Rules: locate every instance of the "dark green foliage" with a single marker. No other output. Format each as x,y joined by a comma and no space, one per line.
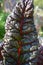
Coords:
3,17
20,40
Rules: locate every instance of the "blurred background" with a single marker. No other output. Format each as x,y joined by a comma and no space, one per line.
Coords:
6,7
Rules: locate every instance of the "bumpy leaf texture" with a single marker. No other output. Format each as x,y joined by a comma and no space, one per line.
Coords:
40,56
20,40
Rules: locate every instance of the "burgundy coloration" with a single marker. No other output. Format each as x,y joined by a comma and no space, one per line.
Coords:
19,49
1,47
